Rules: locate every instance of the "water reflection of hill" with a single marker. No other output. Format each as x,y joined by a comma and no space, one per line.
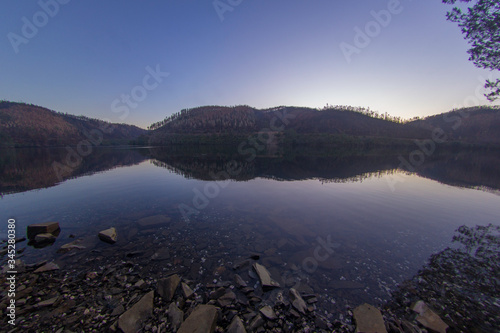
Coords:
28,169
282,168
464,169
33,168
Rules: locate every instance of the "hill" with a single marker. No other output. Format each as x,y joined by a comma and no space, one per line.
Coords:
30,125
473,125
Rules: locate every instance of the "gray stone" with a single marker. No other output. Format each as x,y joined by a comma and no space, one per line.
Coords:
202,320
236,326
118,310
51,266
41,228
239,281
265,277
226,299
175,315
132,320
71,246
429,318
140,284
45,238
108,235
242,264
297,301
268,312
168,286
186,290
257,322
217,293
48,302
368,319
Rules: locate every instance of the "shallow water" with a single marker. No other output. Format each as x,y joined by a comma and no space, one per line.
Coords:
334,225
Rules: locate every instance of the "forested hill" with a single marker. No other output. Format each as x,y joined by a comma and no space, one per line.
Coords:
473,125
30,125
245,119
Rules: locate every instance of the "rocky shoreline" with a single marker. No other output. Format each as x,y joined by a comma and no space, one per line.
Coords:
104,291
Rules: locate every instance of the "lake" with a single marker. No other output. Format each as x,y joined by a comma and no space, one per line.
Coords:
347,227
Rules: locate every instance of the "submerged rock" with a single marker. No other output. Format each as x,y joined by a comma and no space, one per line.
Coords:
257,322
236,326
175,315
108,235
242,264
265,277
268,312
369,319
239,281
44,238
167,287
201,320
429,318
186,290
153,221
48,302
51,266
297,301
132,320
71,246
227,299
161,254
40,228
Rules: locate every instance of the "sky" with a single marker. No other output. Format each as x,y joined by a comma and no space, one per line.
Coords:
137,62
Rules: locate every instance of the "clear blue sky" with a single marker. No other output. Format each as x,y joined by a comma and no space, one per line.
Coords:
87,54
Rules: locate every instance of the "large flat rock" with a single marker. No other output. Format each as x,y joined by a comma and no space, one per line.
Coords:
132,320
202,320
369,319
108,235
429,318
265,277
42,228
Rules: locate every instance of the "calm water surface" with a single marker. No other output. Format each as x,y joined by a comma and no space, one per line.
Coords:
282,208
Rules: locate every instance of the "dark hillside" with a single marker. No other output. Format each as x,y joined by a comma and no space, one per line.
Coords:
30,125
